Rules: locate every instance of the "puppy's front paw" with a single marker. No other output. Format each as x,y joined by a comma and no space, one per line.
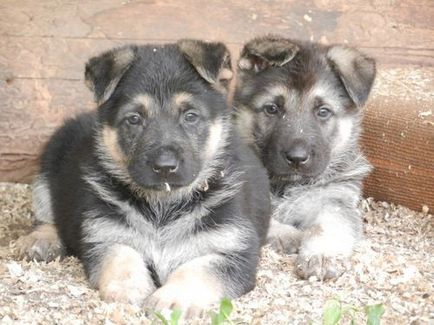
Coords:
42,244
322,267
285,243
284,238
124,276
172,296
127,289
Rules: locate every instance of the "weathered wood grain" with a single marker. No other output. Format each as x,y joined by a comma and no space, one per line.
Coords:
31,109
398,137
44,45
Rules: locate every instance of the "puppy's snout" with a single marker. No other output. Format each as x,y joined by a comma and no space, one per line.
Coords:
166,162
298,154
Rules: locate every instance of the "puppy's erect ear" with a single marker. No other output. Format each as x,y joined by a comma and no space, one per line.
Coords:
211,60
261,53
356,71
104,72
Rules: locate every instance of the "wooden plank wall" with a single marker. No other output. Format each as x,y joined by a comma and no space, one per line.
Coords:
44,45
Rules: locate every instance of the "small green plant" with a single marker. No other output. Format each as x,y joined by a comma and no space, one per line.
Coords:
222,316
374,313
174,317
217,318
334,312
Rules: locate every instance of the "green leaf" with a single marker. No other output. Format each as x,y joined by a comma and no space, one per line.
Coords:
332,312
175,316
226,307
161,318
374,313
216,319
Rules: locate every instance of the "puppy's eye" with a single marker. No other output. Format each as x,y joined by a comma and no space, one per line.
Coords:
324,113
191,117
134,119
271,108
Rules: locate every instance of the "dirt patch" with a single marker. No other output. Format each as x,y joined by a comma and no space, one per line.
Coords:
394,265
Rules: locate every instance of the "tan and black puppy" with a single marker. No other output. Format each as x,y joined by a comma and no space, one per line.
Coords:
299,105
154,192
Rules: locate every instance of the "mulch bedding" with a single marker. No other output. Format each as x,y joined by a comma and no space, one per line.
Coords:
394,266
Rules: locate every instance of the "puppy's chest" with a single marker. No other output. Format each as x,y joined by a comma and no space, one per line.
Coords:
296,206
167,237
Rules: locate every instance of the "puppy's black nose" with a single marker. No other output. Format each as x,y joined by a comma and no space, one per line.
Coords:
297,155
166,162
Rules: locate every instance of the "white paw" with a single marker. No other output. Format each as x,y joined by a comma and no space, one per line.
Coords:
124,277
173,296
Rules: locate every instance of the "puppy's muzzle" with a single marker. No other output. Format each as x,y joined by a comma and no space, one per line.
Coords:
297,155
166,162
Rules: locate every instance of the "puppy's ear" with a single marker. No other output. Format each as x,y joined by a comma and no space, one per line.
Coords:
261,53
104,72
211,60
356,71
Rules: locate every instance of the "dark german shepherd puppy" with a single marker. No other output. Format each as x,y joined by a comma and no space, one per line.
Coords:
299,104
154,192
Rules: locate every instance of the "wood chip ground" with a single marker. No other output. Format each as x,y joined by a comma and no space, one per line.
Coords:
394,265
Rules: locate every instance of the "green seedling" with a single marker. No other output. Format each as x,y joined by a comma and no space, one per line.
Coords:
219,318
222,317
334,312
174,317
374,313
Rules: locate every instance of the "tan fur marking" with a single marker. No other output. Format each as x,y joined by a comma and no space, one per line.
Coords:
214,139
191,287
331,235
124,276
42,243
273,91
181,98
313,231
147,103
225,74
244,123
111,142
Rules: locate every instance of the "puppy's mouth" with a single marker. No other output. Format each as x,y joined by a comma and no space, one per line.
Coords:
295,175
166,186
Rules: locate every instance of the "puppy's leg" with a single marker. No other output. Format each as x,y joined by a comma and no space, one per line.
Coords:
192,287
283,238
327,244
197,284
43,243
123,276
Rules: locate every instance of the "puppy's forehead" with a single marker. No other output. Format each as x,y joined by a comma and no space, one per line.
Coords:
327,90
159,70
274,91
151,105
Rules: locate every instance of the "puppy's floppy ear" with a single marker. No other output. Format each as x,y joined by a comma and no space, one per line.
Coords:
211,60
104,72
261,53
356,71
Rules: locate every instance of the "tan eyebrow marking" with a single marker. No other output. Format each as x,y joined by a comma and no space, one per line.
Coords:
181,98
147,102
272,92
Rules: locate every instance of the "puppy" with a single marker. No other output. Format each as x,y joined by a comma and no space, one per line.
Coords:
299,105
154,192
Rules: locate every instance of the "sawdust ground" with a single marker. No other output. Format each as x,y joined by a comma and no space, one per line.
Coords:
394,265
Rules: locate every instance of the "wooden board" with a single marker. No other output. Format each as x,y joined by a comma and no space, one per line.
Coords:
398,138
44,45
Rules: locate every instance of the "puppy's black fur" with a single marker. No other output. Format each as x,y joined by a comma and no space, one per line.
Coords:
299,104
157,180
